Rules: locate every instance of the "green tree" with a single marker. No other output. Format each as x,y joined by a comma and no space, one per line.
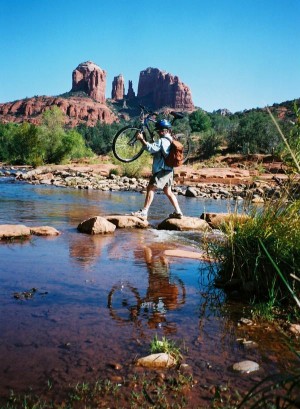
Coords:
255,133
53,134
28,146
99,138
72,147
7,132
199,121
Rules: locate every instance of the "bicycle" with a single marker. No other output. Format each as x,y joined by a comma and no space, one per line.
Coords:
127,148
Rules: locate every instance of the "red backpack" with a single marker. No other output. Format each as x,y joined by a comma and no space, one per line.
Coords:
175,157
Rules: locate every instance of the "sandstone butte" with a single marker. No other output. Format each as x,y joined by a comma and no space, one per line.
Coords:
86,102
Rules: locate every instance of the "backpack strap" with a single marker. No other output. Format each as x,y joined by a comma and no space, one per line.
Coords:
170,139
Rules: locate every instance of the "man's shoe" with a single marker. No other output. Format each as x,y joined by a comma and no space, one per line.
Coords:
140,213
175,215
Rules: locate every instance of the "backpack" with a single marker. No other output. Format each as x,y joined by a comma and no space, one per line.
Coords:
175,157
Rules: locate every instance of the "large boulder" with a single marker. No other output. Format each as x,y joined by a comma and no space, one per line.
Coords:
186,223
216,220
125,221
159,89
9,231
96,225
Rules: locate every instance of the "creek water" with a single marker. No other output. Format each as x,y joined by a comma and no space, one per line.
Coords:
99,300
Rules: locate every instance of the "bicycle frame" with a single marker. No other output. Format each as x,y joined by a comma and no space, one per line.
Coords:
146,119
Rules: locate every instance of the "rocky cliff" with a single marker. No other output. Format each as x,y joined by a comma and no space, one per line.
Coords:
77,109
91,79
159,89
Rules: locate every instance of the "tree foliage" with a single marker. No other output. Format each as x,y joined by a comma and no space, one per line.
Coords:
199,121
255,133
36,145
99,138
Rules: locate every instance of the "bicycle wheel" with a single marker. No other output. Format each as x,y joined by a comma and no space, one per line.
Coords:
126,147
124,302
184,138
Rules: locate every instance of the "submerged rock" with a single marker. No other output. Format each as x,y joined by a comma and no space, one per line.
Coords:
96,225
160,360
245,366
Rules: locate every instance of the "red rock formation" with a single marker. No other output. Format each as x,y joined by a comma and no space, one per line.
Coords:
160,89
77,109
130,92
91,79
118,88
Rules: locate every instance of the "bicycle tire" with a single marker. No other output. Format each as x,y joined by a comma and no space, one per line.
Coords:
125,146
124,302
184,138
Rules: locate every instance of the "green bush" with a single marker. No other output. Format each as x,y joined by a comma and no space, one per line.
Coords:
209,143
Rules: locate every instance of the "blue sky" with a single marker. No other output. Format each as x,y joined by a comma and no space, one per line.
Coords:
235,54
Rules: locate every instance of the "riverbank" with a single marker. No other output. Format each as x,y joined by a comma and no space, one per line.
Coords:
226,182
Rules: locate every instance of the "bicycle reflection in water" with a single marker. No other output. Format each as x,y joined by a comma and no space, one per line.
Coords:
164,293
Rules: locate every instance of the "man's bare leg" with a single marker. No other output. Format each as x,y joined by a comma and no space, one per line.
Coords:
173,199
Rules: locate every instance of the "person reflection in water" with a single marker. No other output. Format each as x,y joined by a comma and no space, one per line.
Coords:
164,293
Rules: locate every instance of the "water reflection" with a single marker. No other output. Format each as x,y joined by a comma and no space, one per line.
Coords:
86,250
165,292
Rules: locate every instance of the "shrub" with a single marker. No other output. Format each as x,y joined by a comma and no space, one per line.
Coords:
255,133
209,143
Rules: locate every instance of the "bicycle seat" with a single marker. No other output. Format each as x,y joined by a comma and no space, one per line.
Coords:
177,115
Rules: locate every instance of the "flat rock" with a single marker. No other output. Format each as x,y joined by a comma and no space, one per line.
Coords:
44,231
96,225
187,254
160,360
127,221
8,231
245,366
184,224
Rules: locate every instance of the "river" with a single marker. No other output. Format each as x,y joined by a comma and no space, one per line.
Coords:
99,300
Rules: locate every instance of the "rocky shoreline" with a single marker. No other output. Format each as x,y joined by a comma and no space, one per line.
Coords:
204,184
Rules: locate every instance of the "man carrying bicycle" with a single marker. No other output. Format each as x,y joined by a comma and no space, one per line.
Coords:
162,174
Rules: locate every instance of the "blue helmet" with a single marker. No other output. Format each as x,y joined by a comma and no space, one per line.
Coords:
162,124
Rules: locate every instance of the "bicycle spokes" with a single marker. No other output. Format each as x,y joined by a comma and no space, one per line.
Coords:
126,146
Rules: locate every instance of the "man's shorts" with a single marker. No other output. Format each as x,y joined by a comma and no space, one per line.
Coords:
162,178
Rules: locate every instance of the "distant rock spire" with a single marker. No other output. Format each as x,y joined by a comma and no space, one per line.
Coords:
130,92
118,88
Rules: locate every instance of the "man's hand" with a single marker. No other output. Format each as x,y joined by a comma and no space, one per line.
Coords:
140,137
